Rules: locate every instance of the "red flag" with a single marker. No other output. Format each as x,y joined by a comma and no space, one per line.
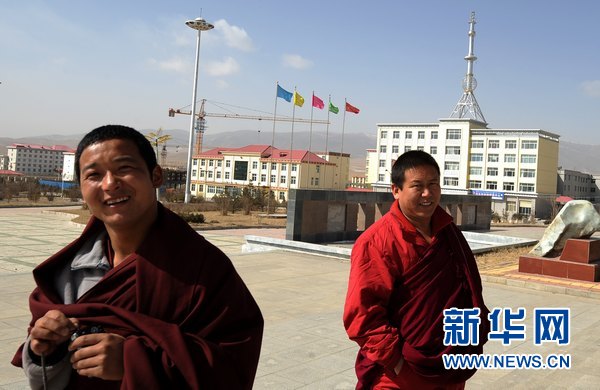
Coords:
351,108
318,102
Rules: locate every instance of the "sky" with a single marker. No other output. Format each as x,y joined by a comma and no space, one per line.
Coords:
67,67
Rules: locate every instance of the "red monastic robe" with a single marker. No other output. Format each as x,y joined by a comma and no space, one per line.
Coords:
398,288
188,318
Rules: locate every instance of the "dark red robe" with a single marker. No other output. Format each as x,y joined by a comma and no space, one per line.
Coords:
399,286
188,318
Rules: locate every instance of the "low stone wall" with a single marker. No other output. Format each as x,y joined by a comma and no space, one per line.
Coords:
320,216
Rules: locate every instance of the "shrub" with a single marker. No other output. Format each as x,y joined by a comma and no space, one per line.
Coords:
192,217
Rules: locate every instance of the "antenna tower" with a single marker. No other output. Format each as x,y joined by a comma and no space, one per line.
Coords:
467,106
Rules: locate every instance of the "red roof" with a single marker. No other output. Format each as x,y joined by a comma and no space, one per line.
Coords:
60,148
10,173
266,152
563,199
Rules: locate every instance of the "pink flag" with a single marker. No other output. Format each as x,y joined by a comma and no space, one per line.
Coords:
318,102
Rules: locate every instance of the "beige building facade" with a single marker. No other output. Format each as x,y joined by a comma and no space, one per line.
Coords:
231,169
516,167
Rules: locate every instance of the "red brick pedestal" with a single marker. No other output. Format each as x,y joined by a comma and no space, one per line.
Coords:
579,260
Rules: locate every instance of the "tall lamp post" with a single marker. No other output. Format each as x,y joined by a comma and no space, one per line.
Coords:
200,25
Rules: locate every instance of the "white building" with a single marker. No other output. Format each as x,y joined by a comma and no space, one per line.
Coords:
517,167
37,160
68,170
230,169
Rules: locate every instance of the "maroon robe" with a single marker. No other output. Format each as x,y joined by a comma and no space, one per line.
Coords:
399,286
188,318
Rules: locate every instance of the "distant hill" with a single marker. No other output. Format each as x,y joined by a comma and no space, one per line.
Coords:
579,157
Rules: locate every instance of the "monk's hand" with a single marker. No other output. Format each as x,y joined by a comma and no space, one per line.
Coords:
98,355
51,330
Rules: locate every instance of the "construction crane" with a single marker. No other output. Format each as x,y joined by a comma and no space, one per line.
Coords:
200,125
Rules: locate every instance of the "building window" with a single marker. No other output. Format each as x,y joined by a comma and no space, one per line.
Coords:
253,177
254,164
528,144
493,157
293,180
218,175
228,164
511,206
494,143
263,178
383,134
474,184
509,172
528,158
211,189
408,135
195,162
509,186
382,148
475,171
283,167
527,173
294,167
407,149
395,148
451,181
282,179
273,166
220,163
453,134
211,163
263,165
451,166
492,171
421,148
477,157
316,181
396,135
510,158
381,177
434,134
202,173
433,150
193,187
526,187
194,172
227,175
381,163
421,135
477,144
491,185
273,178
318,168
455,150
525,210
203,162
510,144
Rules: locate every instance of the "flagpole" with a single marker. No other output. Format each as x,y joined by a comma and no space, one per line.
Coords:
272,147
327,137
312,108
292,143
342,148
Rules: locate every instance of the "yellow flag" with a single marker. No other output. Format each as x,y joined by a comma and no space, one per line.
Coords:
298,100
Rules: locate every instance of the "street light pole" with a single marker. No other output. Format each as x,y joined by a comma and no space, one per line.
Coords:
200,25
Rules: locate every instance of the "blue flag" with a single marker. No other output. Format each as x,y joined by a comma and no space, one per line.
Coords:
282,93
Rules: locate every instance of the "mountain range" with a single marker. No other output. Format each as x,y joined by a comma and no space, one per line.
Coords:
579,157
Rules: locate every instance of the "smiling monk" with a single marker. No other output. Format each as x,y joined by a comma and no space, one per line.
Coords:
406,269
154,305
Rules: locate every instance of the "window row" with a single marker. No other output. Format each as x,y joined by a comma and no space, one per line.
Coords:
508,144
506,186
508,158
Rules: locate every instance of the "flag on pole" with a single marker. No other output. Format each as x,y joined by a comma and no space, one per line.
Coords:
298,100
317,102
351,108
282,93
333,108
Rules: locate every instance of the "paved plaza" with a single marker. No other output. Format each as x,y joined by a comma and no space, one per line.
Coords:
301,297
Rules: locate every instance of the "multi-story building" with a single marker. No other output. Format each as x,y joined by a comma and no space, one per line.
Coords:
371,166
68,170
3,162
516,167
578,185
37,160
231,169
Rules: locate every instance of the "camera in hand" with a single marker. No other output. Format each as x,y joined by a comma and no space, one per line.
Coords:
87,330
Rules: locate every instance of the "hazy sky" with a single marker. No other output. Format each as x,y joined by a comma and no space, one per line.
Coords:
69,66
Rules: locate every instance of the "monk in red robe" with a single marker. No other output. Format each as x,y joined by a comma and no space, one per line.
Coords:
406,269
139,300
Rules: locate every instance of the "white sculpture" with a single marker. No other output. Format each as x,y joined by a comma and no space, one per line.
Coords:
577,219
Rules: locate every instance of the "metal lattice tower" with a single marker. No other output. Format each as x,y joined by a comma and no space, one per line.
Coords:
467,106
